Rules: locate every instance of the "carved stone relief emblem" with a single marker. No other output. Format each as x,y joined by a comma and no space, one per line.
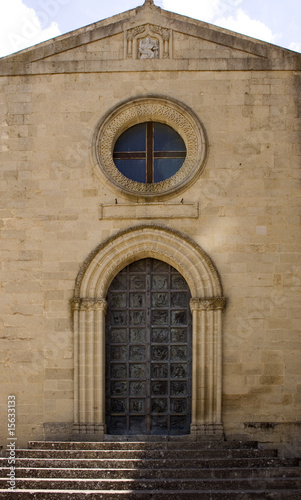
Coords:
148,48
148,42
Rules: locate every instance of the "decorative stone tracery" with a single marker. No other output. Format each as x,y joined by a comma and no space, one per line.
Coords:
89,309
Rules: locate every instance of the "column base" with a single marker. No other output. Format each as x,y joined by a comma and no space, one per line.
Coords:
88,432
207,431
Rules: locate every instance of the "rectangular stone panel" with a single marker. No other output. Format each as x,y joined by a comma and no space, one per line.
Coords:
149,211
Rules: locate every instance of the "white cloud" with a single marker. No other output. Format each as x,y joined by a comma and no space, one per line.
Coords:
295,46
242,23
224,13
204,10
20,27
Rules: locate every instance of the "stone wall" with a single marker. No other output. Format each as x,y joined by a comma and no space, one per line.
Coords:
247,221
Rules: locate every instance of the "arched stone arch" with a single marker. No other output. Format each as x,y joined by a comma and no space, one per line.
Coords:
89,309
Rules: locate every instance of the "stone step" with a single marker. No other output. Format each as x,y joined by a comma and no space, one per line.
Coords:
164,469
154,495
157,484
148,454
163,473
249,463
137,445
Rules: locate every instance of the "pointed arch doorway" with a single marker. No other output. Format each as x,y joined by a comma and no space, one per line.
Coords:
89,318
148,351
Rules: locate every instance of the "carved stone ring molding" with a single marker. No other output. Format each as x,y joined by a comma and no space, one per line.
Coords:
159,109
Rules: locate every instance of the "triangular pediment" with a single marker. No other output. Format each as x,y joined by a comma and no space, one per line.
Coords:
135,37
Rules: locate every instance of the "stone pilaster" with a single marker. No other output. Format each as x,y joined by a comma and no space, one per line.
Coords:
89,349
207,365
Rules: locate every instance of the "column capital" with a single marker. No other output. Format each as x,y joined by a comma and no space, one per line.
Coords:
207,304
95,304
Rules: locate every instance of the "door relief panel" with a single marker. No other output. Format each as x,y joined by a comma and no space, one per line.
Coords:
148,351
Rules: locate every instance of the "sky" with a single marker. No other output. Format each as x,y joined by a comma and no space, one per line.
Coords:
24,23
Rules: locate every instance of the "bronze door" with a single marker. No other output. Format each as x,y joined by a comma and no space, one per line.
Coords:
148,351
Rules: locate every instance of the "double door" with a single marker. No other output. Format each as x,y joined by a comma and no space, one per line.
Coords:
148,351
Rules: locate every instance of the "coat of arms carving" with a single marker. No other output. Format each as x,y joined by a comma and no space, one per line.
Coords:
148,48
148,42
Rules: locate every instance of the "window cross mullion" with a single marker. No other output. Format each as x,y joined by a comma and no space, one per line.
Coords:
149,152
129,155
169,154
154,155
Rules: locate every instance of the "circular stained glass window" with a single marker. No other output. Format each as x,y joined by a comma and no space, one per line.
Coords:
149,152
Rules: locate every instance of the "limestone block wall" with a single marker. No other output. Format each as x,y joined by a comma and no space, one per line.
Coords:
248,222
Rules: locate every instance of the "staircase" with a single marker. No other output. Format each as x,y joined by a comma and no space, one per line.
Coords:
163,469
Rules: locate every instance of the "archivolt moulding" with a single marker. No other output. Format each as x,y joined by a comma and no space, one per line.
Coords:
143,241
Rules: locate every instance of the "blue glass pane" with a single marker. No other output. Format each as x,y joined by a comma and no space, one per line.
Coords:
133,139
132,169
167,139
166,168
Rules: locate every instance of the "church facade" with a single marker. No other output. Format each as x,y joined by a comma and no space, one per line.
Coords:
150,234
